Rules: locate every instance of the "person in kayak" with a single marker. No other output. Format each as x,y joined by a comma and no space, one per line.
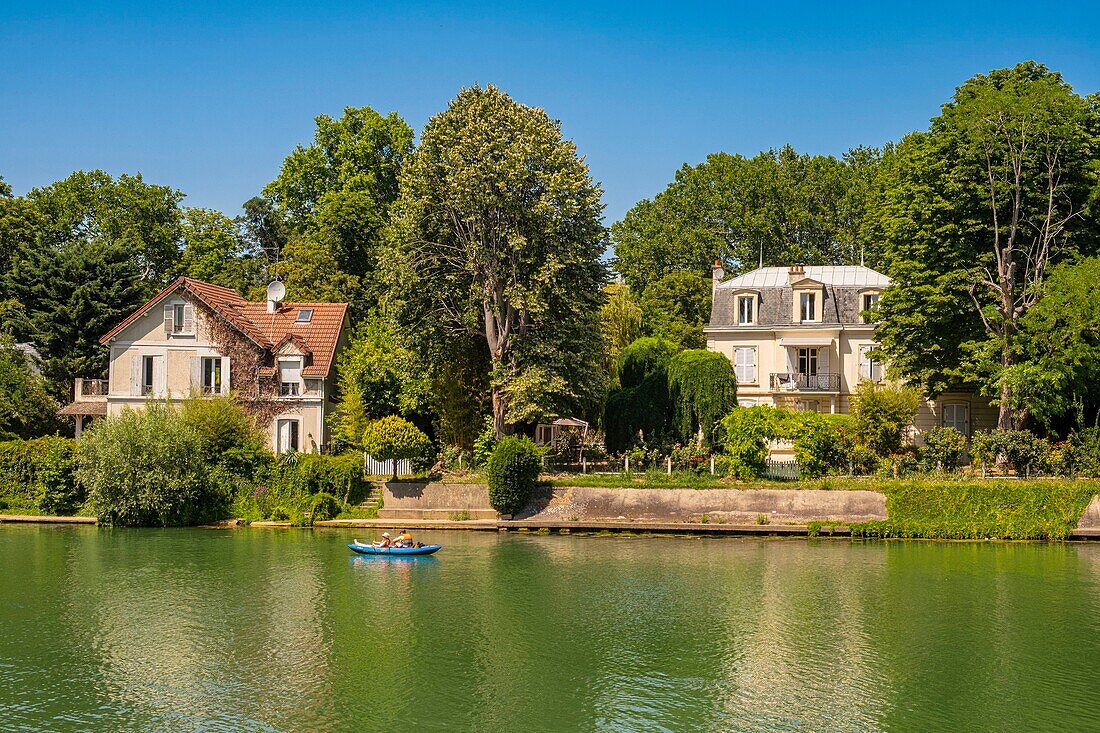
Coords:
385,541
404,539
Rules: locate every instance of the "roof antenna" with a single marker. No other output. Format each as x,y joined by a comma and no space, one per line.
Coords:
862,248
761,265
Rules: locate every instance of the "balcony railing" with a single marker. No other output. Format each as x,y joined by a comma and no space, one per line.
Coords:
91,390
793,382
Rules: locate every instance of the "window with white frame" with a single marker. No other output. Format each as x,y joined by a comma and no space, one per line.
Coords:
290,377
957,415
807,362
744,364
212,375
746,310
148,374
807,306
869,367
870,300
809,406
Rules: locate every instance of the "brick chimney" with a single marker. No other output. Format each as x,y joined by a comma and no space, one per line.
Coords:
798,270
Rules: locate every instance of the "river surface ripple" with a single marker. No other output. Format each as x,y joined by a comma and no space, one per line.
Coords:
260,630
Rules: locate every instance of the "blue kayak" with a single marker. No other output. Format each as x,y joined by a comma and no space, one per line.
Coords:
406,551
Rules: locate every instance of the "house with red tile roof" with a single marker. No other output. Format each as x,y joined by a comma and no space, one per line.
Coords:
194,338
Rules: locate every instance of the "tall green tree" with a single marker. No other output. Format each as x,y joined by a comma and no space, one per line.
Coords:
620,324
677,307
335,197
498,235
378,377
787,207
97,249
977,210
214,251
1059,337
27,410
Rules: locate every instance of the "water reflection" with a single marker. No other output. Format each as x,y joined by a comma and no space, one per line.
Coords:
257,630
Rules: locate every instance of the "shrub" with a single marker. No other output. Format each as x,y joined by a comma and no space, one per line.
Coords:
512,471
943,448
392,439
1086,452
746,431
324,506
38,474
221,425
822,443
485,443
641,406
1022,450
702,389
995,509
882,414
145,468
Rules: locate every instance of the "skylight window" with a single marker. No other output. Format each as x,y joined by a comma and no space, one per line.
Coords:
305,315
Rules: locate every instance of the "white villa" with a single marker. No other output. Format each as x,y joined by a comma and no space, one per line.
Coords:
175,346
796,338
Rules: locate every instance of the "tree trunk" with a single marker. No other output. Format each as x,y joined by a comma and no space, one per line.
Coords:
500,407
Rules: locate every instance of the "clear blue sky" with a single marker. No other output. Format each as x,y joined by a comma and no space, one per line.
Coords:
208,97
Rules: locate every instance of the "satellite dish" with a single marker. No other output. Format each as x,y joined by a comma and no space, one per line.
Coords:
276,291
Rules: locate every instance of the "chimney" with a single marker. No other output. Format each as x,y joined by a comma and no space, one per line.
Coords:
798,270
717,272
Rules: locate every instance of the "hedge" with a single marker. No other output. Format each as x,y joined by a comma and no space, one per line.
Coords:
37,476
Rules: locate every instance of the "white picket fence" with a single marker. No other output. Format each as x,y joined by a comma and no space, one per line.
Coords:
372,467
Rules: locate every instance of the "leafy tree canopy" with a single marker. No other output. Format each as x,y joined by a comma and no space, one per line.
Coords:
677,307
789,206
335,196
498,235
703,389
973,213
26,408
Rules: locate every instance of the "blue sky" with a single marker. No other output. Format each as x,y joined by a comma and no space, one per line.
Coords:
209,97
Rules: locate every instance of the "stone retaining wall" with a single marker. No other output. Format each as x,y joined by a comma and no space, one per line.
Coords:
666,505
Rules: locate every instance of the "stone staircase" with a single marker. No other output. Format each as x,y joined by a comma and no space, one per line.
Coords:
373,500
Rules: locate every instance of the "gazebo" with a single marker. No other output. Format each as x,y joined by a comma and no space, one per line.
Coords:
549,433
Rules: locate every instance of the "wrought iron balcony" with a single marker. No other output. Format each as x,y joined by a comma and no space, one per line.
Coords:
794,382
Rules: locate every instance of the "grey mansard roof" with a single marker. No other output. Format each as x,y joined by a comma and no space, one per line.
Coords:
841,305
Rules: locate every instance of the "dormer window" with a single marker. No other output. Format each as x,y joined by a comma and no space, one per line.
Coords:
746,310
305,315
807,306
290,377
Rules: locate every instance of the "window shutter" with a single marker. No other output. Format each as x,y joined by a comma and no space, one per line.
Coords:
823,361
167,320
135,376
227,386
159,377
196,374
188,318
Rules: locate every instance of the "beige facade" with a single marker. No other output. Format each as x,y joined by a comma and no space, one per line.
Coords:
167,351
797,339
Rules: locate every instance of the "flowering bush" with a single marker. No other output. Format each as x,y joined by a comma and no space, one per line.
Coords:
943,448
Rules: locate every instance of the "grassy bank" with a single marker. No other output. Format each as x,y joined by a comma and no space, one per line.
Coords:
1015,510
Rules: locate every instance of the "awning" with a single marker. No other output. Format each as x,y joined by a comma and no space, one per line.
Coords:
84,408
817,341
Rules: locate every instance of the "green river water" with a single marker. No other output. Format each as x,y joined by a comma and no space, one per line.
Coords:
261,630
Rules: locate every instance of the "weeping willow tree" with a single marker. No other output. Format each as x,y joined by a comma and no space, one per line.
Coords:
702,388
639,408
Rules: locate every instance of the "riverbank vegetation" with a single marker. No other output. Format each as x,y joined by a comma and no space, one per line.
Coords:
963,510
170,466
